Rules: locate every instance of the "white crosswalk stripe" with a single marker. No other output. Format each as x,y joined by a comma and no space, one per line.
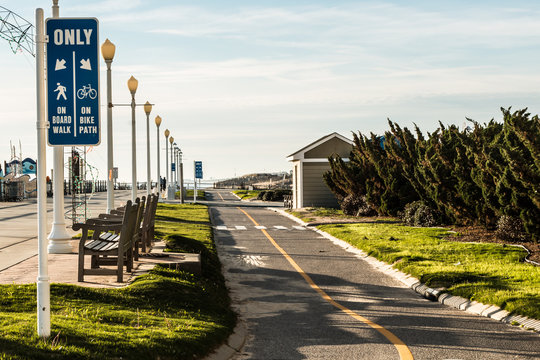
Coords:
259,227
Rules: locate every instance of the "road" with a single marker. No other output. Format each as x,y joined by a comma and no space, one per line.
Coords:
303,297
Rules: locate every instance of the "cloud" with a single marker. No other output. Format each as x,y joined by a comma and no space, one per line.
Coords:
352,24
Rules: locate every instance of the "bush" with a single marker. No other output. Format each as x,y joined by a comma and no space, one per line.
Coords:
424,216
354,205
268,196
419,214
273,195
510,229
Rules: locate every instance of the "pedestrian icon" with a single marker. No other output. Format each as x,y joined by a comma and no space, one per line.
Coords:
86,91
61,91
60,64
85,64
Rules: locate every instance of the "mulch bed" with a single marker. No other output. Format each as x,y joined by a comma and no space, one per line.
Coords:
479,234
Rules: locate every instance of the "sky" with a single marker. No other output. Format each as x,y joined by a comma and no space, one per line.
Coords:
243,84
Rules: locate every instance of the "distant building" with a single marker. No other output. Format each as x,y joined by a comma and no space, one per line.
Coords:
309,165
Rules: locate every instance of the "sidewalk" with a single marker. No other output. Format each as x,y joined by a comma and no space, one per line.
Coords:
63,268
18,224
18,247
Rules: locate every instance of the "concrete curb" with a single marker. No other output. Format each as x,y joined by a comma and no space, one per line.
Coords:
234,344
457,302
238,197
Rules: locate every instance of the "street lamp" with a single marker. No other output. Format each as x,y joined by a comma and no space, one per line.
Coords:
158,122
132,86
175,168
147,110
167,132
107,50
171,194
181,176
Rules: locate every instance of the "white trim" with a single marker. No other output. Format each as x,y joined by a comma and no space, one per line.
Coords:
300,186
298,155
320,160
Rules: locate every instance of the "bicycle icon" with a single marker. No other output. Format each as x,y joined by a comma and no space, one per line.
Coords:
87,91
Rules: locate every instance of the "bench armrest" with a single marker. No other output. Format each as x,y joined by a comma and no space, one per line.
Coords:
108,226
95,221
109,216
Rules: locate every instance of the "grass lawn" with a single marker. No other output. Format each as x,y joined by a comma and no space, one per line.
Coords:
191,192
311,214
247,194
166,314
486,272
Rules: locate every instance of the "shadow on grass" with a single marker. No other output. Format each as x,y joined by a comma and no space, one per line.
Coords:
176,220
210,264
452,278
11,349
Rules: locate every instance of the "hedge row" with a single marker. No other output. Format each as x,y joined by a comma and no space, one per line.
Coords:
273,195
475,175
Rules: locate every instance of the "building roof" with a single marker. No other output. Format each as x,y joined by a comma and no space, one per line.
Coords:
319,142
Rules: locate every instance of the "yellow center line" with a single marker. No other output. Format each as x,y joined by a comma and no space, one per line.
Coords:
403,350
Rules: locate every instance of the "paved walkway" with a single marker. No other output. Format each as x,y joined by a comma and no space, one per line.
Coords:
18,246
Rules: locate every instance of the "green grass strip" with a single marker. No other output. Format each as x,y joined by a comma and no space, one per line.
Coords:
485,272
247,194
164,314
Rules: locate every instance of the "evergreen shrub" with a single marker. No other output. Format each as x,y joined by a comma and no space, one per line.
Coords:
467,176
419,214
354,205
273,195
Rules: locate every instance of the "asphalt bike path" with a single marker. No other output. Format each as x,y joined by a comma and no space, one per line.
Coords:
303,297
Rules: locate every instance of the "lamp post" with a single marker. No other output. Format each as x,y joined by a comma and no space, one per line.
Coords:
175,168
158,122
147,110
167,132
171,190
132,86
107,50
181,176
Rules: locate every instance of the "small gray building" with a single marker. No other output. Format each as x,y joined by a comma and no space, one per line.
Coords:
309,165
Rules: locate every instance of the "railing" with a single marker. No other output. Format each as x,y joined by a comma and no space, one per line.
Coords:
84,187
242,186
19,190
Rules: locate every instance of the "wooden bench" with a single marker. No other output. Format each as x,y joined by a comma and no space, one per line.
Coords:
145,235
119,251
149,223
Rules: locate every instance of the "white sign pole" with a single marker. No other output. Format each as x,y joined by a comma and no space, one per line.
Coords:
194,182
43,287
59,237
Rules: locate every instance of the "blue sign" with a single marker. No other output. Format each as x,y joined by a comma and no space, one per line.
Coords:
173,167
73,81
198,170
